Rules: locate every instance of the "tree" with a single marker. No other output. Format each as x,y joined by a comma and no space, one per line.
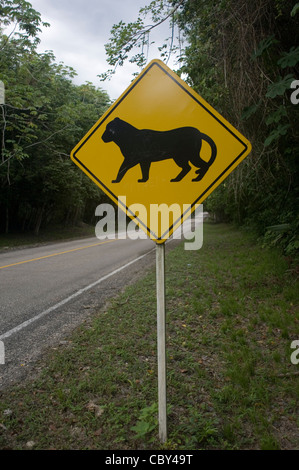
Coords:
43,117
241,56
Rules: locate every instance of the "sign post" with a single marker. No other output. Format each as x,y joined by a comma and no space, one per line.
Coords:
160,148
161,340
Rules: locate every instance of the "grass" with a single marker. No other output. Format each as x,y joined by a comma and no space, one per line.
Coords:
52,234
232,313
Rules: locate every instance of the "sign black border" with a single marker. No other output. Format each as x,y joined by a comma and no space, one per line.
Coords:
113,107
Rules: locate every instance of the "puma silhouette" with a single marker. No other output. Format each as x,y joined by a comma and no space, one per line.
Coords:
145,146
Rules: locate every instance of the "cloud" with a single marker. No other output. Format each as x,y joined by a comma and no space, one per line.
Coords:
79,31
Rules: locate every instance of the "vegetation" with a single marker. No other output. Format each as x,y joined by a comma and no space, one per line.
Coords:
232,313
231,381
242,56
43,117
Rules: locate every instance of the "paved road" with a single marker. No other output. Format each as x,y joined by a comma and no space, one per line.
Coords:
34,279
46,291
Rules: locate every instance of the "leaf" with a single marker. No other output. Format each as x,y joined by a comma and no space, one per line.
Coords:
275,134
263,46
142,428
278,88
249,111
289,59
276,115
295,9
147,421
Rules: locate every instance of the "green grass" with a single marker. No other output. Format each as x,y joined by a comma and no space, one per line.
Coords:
52,234
232,313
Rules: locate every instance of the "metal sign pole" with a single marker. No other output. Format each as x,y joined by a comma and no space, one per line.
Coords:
161,339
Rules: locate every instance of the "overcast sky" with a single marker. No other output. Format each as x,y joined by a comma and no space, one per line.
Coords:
80,29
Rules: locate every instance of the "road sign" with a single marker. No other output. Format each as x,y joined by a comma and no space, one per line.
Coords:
160,148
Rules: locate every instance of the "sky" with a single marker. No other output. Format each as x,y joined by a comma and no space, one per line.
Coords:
78,32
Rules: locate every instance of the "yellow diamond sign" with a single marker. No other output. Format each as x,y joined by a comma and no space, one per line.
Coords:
160,145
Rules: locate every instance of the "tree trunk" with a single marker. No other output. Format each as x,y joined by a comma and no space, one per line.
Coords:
39,219
6,220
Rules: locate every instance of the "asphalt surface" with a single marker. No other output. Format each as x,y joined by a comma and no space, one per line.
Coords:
47,291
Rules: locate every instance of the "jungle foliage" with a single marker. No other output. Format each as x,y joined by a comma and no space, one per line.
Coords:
242,56
42,117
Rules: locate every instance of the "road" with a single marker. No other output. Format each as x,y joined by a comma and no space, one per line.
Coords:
46,291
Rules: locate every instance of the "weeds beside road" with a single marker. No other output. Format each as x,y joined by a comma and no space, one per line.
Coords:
56,234
232,314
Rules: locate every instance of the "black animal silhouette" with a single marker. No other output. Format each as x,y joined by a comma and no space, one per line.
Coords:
145,146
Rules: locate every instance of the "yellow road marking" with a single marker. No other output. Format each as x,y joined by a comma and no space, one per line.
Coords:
55,254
